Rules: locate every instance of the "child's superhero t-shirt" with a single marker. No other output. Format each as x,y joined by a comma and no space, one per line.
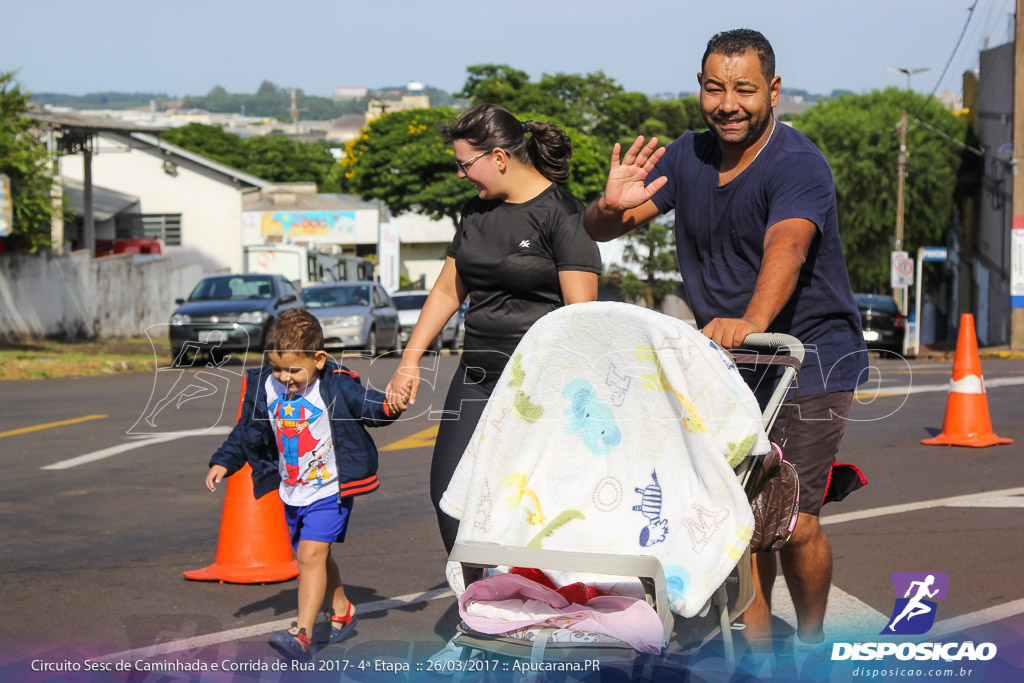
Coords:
303,431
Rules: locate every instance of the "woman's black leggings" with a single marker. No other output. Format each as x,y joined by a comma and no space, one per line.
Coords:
462,409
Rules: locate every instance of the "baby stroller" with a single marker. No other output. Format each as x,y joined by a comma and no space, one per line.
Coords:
614,455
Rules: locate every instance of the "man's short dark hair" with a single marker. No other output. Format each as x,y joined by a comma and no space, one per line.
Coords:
295,330
738,41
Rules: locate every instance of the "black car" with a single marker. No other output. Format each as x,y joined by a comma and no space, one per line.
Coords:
881,321
227,313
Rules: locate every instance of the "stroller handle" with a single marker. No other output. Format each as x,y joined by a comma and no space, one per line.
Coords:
785,350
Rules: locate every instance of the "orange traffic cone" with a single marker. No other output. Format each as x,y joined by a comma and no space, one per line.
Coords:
254,545
967,420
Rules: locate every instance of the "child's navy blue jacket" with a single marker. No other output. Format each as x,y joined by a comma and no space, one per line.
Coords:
351,408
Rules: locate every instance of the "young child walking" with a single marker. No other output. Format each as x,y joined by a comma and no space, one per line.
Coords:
318,460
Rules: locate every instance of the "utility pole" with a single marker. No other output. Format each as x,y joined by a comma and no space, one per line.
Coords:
294,111
901,293
1017,230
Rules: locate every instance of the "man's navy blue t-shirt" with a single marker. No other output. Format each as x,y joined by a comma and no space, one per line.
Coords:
720,241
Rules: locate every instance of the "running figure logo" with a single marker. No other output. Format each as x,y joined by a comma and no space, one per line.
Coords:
914,613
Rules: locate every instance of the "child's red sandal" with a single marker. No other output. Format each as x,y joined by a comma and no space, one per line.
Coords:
341,626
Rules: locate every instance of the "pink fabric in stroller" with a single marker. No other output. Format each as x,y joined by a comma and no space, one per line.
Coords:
508,602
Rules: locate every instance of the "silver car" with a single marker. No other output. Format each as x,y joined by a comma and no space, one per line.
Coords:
409,305
354,315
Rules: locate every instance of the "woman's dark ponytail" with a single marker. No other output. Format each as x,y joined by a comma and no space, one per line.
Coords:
540,145
550,150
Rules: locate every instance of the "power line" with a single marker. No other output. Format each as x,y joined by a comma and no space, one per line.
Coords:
933,129
970,15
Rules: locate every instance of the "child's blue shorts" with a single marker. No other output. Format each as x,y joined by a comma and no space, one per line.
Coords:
324,520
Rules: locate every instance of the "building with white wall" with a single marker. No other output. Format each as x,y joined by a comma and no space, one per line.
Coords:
294,213
174,186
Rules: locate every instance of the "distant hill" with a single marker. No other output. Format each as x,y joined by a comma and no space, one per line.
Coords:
270,101
275,105
100,100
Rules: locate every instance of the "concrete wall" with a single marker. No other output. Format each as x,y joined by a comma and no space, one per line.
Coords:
210,208
75,296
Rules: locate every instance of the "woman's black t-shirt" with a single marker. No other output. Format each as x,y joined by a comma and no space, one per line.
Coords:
508,256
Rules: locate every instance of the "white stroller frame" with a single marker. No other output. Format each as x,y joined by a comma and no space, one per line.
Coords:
729,600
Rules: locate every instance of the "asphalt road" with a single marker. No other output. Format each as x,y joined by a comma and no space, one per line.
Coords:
102,512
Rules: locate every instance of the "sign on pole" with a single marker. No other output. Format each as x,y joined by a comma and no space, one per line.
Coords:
902,270
6,206
934,254
1017,268
388,247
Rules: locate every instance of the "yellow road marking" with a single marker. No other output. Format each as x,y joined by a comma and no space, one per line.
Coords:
417,440
48,425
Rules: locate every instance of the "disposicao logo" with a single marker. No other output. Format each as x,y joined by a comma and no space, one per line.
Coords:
914,613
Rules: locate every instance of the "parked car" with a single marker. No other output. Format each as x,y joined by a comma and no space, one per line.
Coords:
229,313
409,305
462,322
881,321
354,315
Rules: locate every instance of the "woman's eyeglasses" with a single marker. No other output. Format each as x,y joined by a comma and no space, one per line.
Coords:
464,165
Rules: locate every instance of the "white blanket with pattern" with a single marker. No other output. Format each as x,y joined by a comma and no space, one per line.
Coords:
615,429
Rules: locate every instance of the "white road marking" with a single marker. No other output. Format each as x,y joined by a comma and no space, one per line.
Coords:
994,502
968,500
865,394
849,619
846,617
262,629
979,618
131,445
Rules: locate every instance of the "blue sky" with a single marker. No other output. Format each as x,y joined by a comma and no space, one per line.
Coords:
187,46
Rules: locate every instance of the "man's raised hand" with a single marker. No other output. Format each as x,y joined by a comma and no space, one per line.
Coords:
625,188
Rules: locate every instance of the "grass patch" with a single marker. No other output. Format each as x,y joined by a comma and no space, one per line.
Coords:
48,359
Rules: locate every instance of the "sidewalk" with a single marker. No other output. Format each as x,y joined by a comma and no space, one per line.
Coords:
946,351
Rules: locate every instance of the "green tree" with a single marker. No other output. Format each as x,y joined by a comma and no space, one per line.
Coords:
270,88
858,135
402,159
282,160
588,169
678,116
622,117
652,248
28,165
274,158
499,84
573,100
581,100
212,142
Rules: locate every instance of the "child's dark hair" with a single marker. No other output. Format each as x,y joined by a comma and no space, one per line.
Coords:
738,41
533,143
295,330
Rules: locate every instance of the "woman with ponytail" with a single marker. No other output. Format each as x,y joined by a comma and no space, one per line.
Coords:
520,251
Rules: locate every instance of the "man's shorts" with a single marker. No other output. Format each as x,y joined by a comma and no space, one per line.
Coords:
815,430
324,520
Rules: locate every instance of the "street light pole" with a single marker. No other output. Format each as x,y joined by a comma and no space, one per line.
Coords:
908,72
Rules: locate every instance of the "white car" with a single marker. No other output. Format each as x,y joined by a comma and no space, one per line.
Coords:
409,305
